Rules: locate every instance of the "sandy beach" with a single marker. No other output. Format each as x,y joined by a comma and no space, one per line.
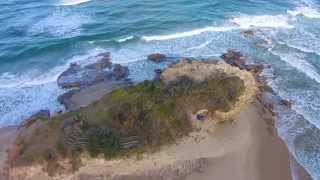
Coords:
259,153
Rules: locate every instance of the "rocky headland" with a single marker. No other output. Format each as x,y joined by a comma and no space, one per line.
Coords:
194,116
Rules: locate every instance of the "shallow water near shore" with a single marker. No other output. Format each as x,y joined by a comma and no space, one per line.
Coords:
39,39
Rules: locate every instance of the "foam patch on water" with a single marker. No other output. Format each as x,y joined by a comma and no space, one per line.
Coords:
60,23
73,2
305,11
297,61
36,77
17,104
301,136
21,95
295,124
302,47
188,33
263,21
241,22
202,45
121,40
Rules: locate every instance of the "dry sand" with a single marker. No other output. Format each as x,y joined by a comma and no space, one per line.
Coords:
260,156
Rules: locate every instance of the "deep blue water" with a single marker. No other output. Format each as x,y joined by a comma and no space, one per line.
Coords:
38,39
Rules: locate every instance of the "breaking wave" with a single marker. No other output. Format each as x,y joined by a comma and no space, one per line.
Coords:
305,11
72,2
241,22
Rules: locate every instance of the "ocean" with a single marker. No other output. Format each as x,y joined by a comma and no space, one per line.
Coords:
39,39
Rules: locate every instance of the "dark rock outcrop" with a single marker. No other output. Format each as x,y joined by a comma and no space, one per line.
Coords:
65,98
255,68
285,103
120,72
157,57
103,63
80,77
248,33
234,58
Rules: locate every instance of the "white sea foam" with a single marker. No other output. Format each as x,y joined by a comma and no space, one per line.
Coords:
241,22
36,78
301,48
297,61
305,11
60,23
202,45
188,33
72,2
263,21
26,93
125,39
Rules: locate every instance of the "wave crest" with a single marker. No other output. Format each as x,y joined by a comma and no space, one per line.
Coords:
72,2
242,22
297,61
125,39
187,33
263,21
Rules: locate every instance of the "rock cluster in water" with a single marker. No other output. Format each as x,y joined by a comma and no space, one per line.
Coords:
157,57
77,76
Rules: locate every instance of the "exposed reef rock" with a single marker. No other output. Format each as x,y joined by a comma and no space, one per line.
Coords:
103,63
77,76
81,78
236,58
248,33
266,96
157,57
120,72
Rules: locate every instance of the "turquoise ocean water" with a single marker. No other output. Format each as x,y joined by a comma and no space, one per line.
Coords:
38,39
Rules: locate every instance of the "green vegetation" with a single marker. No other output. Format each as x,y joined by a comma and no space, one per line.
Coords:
146,115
